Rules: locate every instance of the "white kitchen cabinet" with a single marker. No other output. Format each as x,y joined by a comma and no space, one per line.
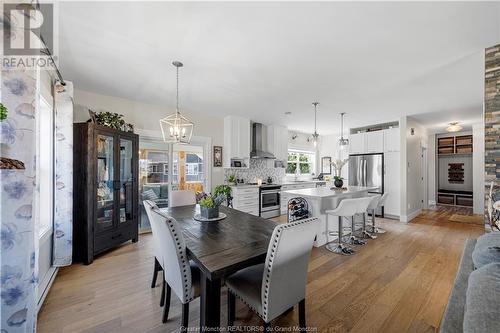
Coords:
392,140
374,142
357,143
277,142
236,140
246,199
392,183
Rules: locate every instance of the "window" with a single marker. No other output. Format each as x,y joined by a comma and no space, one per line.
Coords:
194,167
300,162
45,166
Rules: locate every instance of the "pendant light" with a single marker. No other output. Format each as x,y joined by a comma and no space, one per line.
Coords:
454,127
315,135
175,127
343,143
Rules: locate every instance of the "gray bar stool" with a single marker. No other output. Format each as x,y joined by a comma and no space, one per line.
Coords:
378,202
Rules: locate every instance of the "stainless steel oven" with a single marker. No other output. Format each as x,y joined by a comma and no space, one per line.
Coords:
269,201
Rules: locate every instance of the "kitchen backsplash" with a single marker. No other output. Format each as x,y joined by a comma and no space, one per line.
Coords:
259,168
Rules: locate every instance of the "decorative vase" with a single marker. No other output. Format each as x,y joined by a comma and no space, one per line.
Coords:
338,183
209,213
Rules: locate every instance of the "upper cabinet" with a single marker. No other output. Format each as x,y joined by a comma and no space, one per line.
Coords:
236,142
387,140
374,142
277,142
357,143
392,140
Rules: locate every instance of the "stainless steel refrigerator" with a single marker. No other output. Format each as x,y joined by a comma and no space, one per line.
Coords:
367,170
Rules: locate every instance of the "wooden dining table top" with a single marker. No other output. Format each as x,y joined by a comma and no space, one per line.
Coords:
223,247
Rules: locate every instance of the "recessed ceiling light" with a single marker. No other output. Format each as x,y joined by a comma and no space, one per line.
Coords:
288,113
454,127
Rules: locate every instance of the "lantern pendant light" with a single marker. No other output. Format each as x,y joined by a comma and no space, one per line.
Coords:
315,135
175,127
343,143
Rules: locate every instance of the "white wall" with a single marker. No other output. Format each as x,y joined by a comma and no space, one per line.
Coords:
412,190
146,116
478,167
329,147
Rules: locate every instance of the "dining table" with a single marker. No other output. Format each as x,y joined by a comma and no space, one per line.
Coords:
219,249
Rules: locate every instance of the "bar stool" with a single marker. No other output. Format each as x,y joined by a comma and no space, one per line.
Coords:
378,202
361,208
373,203
346,208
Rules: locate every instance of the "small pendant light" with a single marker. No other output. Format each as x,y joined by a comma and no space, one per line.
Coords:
315,135
175,127
343,143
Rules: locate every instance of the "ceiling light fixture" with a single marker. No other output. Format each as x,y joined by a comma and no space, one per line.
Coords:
454,127
315,135
175,127
343,143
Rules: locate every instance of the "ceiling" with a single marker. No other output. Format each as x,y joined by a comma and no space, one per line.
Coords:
375,61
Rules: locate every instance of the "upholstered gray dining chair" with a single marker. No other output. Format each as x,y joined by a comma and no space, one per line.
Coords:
178,198
180,275
272,288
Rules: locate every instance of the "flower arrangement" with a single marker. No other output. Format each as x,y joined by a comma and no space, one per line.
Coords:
338,164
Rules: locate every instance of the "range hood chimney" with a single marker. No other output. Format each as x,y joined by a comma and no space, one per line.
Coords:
259,142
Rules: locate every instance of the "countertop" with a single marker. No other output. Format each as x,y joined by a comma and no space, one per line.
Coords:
324,192
281,184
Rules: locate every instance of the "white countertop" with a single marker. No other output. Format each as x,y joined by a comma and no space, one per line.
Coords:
324,192
291,182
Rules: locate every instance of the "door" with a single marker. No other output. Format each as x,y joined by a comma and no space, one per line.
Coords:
105,189
425,188
189,165
126,173
373,172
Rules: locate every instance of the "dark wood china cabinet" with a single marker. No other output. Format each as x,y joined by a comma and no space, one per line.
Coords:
105,197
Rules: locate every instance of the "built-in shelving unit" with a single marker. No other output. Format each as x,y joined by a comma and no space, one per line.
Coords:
454,145
453,152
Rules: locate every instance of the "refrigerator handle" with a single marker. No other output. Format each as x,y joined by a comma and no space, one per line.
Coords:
365,172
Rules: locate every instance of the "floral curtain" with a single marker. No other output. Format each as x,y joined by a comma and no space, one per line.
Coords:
63,187
19,237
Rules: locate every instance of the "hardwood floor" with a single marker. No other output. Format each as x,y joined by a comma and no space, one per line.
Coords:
399,282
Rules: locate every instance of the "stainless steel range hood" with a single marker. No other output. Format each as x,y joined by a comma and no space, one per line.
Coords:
259,142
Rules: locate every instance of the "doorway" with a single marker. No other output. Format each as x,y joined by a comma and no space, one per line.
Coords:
425,179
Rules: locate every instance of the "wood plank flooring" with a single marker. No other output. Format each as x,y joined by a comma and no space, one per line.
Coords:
399,282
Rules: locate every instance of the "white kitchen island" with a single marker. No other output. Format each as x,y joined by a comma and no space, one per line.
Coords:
321,199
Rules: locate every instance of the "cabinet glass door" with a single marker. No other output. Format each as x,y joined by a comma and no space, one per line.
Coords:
105,191
126,185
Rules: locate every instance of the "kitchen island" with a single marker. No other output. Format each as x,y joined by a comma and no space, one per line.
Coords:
321,199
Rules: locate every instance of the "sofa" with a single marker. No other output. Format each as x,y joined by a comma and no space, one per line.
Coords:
474,302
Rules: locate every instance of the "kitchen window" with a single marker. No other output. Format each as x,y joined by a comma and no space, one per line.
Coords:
300,162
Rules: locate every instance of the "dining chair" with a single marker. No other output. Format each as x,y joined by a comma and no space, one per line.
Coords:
182,276
272,288
178,198
182,198
148,205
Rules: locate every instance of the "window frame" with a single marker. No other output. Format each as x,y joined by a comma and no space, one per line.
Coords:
311,162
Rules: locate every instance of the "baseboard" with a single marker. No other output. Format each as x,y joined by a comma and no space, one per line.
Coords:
432,202
53,274
411,216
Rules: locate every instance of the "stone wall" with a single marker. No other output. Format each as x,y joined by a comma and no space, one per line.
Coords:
492,116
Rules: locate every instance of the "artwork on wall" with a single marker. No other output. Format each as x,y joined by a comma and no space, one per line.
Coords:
326,165
456,173
217,156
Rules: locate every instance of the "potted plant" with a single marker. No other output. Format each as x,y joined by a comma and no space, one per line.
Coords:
209,205
226,191
338,164
231,179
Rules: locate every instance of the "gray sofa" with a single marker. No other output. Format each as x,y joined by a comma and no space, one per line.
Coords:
474,303
453,319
